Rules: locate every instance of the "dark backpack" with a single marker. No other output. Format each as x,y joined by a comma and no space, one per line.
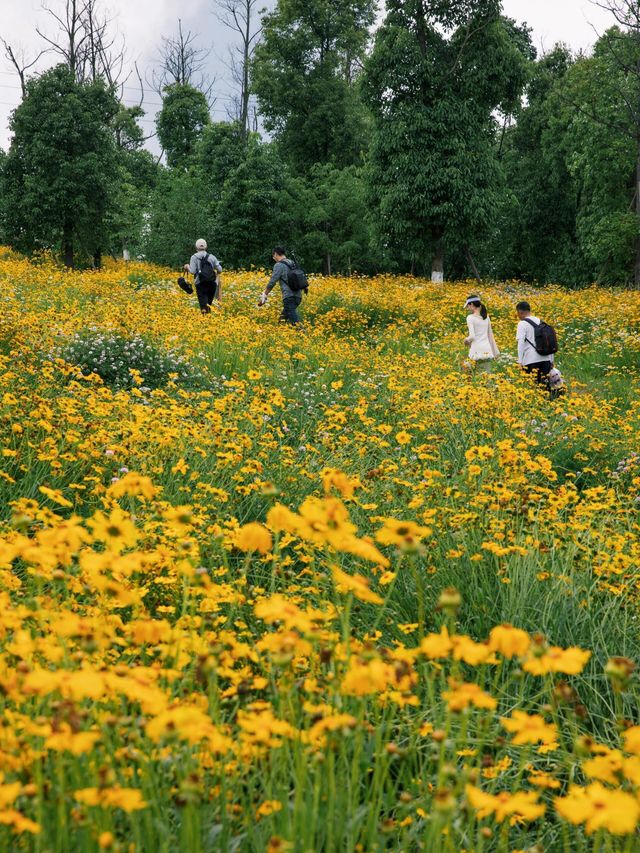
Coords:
297,278
545,338
207,272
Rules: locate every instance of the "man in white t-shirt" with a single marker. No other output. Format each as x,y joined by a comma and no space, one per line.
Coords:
529,358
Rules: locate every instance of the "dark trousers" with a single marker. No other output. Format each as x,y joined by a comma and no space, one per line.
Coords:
206,291
290,309
540,370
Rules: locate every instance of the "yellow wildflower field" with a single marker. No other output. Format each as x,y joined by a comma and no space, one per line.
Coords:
318,589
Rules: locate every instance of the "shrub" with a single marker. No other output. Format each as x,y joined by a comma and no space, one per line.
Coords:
122,362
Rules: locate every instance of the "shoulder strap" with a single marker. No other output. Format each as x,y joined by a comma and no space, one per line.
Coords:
531,323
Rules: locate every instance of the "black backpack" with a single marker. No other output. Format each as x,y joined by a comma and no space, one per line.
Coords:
297,278
207,272
545,338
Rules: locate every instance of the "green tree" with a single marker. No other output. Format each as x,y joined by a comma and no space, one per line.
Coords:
181,210
304,74
534,236
181,121
336,230
220,150
259,208
602,150
61,167
437,74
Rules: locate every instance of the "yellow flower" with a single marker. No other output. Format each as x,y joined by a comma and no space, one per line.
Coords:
127,799
461,696
523,806
253,537
631,739
75,743
509,641
470,652
357,584
529,728
116,530
366,677
600,808
437,645
403,437
405,534
568,661
134,485
267,808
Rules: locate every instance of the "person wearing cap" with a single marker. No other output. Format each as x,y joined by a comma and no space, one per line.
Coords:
482,344
206,289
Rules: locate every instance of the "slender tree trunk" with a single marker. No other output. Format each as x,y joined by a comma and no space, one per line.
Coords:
636,276
437,262
245,74
67,244
472,264
97,259
126,255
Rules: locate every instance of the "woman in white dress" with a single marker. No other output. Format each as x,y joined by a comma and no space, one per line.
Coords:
482,349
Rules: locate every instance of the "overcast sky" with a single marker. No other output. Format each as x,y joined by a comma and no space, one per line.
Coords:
143,22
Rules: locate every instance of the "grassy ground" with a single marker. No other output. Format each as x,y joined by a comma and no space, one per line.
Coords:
226,574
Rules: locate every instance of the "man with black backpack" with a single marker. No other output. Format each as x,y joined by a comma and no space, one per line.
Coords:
205,267
293,283
537,344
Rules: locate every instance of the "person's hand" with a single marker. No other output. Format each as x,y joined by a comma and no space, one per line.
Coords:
467,341
263,299
186,267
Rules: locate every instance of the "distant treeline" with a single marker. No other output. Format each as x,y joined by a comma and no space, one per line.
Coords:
441,144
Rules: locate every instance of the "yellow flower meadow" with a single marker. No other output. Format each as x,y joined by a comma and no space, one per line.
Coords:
318,590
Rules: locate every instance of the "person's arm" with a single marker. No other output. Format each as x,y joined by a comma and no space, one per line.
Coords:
472,335
275,278
193,265
492,342
218,268
521,334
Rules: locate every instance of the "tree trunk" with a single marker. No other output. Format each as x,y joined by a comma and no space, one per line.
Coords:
67,244
437,262
472,264
97,259
244,95
126,255
636,276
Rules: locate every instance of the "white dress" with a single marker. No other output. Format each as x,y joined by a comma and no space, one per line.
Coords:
483,345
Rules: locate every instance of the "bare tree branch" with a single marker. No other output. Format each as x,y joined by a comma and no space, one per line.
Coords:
240,17
183,63
17,59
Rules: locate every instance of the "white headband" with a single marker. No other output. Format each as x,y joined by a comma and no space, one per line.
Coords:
471,300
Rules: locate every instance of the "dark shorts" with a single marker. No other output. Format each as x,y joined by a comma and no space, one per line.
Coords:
540,370
206,291
290,309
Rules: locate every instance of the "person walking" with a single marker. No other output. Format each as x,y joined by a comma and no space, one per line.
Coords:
292,282
206,269
482,345
536,344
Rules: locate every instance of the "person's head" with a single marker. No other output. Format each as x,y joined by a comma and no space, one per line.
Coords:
523,309
201,245
474,306
278,253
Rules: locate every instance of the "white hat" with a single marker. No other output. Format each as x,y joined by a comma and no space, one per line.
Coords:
201,245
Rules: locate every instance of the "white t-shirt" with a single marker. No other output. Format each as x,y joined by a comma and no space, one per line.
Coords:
525,336
482,344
